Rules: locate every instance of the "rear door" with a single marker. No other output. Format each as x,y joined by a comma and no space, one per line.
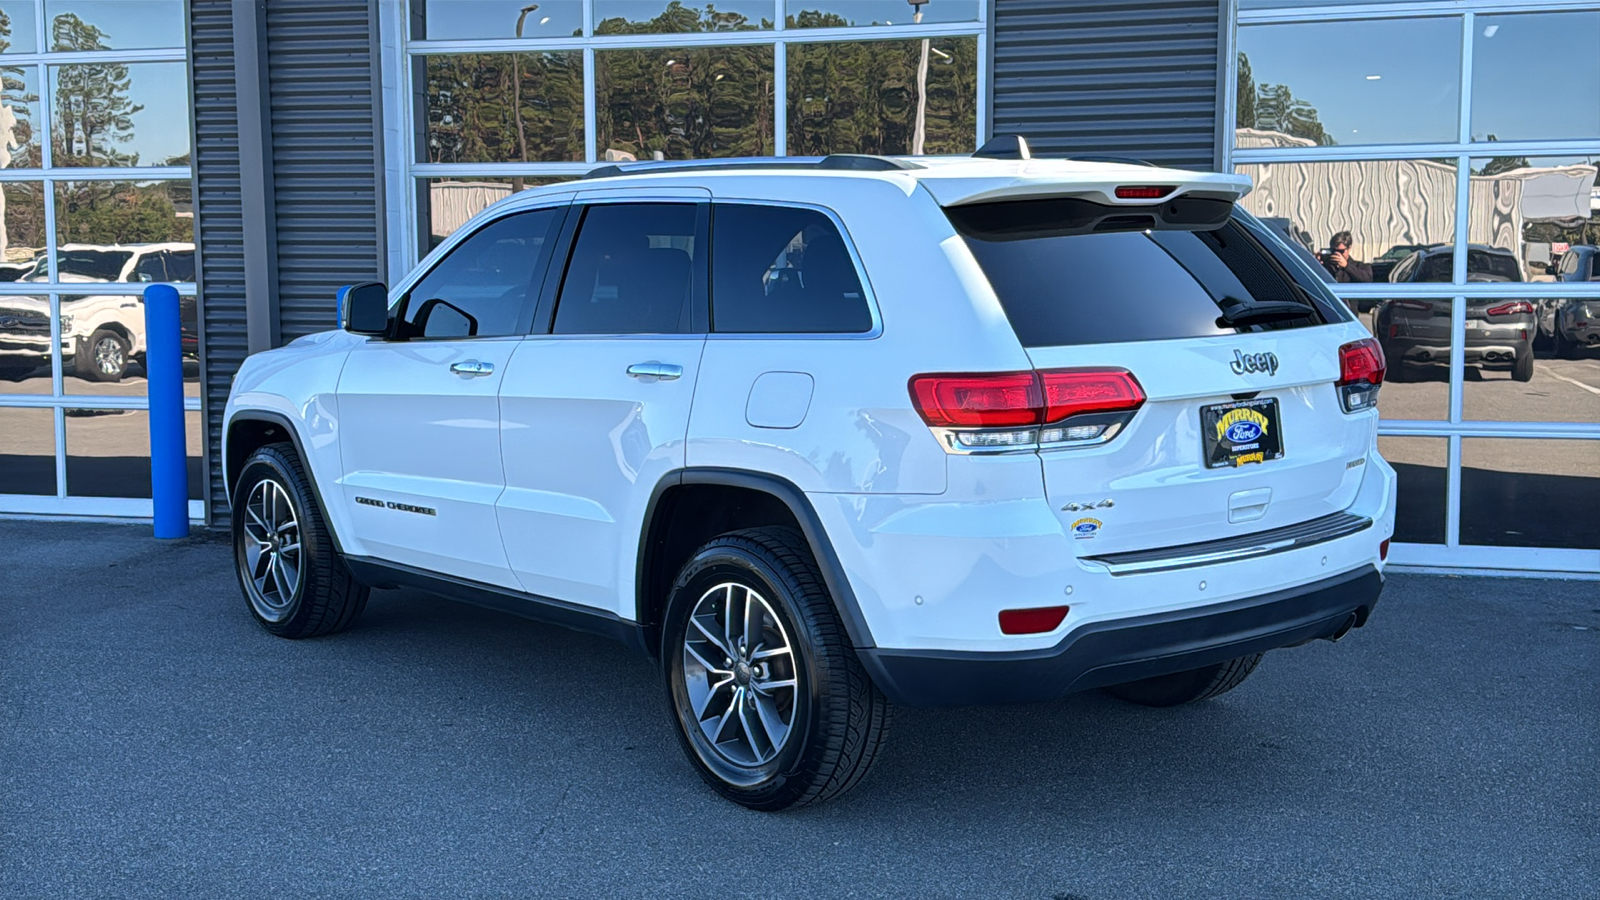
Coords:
594,412
1242,429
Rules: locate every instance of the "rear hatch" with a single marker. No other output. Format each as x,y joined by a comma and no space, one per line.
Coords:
1235,344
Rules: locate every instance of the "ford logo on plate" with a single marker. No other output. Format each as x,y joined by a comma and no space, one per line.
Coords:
1243,432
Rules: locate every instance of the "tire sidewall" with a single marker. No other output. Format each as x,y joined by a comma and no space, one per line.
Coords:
262,465
768,784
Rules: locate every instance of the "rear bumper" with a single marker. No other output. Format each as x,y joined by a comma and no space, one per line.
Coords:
1115,651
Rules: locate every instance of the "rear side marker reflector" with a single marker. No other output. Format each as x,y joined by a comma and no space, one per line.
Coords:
1144,192
1383,550
1032,621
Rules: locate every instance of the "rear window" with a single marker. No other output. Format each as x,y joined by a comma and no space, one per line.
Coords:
1485,265
1062,287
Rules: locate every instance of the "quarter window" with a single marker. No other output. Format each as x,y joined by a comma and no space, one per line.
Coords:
632,271
782,270
486,286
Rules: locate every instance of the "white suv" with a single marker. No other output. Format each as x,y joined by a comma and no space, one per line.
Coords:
825,435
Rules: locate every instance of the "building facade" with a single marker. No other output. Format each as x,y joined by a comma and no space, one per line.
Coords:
260,154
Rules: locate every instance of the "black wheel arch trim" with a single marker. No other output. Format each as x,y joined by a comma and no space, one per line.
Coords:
282,421
833,575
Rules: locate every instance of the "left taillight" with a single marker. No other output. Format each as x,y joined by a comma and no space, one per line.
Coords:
1513,308
995,411
1361,369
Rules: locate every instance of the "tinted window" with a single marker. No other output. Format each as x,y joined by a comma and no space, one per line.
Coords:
180,265
1481,266
149,268
1059,289
782,270
1594,267
100,265
485,287
631,272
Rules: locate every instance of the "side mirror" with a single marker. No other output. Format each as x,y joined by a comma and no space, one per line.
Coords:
364,309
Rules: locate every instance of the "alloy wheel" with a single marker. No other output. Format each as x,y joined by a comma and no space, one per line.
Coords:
272,557
108,356
741,673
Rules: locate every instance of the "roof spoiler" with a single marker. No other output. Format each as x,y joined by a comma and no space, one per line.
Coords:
1004,146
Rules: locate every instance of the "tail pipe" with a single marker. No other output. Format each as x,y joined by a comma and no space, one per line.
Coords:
1343,629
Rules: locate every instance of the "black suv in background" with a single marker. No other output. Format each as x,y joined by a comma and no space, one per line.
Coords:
1416,331
1574,324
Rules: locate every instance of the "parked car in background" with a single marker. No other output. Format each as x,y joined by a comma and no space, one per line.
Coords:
1416,331
11,271
1574,323
24,336
1383,265
103,334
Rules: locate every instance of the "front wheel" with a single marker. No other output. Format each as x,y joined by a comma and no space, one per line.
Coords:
1187,687
772,706
105,358
295,580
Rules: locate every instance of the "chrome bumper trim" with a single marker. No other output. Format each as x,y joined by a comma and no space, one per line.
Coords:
1205,553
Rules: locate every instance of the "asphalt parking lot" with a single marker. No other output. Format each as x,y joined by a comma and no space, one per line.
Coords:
155,742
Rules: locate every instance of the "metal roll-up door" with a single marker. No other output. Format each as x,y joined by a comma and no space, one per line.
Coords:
219,220
324,87
1121,77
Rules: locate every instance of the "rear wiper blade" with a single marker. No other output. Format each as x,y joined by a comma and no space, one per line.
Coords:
1245,312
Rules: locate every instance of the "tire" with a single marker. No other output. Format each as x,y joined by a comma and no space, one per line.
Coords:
310,592
104,357
1187,687
788,745
1522,369
1567,349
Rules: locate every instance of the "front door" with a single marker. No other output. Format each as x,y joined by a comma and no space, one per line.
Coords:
419,418
595,412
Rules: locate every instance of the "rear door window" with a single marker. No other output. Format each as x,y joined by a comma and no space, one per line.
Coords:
1059,287
632,270
782,270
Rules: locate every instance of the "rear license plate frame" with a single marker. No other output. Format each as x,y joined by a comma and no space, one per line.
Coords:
1259,414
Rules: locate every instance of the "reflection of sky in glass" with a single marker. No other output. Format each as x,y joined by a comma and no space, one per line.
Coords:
449,20
1327,64
888,12
1281,4
127,25
24,34
1536,76
160,130
756,11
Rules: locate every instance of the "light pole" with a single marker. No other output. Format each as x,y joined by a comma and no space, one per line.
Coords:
516,96
920,134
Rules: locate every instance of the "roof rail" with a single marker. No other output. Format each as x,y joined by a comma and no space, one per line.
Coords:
1123,160
852,162
1004,146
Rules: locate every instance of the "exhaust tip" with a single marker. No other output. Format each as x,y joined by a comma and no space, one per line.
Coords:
1343,629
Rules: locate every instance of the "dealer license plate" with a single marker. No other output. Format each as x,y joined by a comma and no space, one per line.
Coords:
1240,433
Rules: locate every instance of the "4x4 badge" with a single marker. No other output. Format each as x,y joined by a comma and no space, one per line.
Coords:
1255,362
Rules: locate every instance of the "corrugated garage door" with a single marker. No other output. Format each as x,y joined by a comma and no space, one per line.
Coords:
326,195
219,217
1125,77
322,73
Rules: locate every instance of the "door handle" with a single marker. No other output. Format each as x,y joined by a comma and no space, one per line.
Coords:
663,371
472,368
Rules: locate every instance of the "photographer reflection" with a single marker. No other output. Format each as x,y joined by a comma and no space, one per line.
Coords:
1336,259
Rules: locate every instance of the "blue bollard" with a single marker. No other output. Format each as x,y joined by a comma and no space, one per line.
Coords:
169,455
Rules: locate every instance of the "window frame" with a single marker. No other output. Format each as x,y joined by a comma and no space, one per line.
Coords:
867,293
544,316
525,317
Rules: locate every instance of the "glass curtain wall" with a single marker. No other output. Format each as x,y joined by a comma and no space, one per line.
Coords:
95,203
504,95
1442,160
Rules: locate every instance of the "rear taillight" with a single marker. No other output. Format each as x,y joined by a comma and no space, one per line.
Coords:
1513,308
1025,410
1143,191
1361,368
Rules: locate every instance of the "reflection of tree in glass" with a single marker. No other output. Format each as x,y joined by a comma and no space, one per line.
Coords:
680,19
686,103
92,111
861,96
17,148
121,212
1273,107
470,116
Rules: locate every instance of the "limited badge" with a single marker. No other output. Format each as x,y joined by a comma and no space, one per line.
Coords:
1086,528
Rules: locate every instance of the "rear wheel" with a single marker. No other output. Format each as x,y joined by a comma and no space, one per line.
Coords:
104,358
1187,687
1522,369
1566,348
772,706
295,581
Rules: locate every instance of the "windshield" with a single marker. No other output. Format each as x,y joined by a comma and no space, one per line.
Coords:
100,265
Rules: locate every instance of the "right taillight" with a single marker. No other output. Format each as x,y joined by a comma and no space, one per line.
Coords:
1361,368
996,411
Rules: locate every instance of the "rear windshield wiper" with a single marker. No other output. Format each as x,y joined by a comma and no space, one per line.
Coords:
1236,312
